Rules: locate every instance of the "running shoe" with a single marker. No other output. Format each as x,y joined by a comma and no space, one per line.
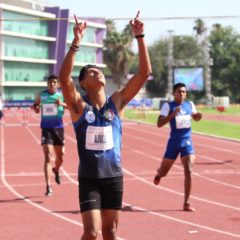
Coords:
157,178
57,177
49,191
188,208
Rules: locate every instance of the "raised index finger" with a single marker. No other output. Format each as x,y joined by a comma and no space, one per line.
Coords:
138,12
76,21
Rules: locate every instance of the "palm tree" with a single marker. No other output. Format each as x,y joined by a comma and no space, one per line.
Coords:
200,26
217,27
117,52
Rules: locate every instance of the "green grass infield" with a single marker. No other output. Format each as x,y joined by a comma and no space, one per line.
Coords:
209,127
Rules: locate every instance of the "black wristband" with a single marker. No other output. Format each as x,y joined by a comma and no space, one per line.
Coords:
74,49
140,36
75,45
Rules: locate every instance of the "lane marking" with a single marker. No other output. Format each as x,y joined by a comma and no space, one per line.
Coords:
138,208
173,218
20,196
11,189
197,135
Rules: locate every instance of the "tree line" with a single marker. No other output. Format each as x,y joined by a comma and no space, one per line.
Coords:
224,49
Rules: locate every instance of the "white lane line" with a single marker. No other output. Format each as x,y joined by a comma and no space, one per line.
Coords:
163,216
65,174
11,189
30,174
184,222
157,133
175,166
173,218
181,194
173,191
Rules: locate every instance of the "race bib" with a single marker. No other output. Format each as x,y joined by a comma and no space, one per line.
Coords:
183,121
99,138
49,109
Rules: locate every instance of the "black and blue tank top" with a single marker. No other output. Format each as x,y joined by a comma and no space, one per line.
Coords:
99,139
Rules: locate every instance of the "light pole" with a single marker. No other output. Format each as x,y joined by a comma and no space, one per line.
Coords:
207,65
170,63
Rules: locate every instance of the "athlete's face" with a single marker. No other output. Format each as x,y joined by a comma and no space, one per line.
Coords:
93,78
53,85
180,94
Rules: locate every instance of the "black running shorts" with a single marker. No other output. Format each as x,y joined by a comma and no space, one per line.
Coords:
1,114
53,136
103,193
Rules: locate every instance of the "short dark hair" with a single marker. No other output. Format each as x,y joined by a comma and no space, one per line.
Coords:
178,85
53,76
84,70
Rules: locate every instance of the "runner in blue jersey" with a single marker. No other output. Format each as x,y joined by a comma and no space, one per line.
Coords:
179,114
97,124
51,104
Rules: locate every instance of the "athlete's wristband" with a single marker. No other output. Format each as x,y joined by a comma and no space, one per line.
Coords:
140,36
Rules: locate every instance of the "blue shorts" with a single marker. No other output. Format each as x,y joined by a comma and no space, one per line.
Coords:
183,146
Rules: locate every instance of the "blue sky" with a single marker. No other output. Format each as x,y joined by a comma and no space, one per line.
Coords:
155,29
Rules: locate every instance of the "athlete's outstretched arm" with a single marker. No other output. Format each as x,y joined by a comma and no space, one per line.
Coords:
70,93
123,96
36,105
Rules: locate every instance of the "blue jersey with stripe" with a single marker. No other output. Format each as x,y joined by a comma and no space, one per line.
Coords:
51,114
181,123
95,161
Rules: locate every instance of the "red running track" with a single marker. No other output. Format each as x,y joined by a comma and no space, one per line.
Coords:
149,211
